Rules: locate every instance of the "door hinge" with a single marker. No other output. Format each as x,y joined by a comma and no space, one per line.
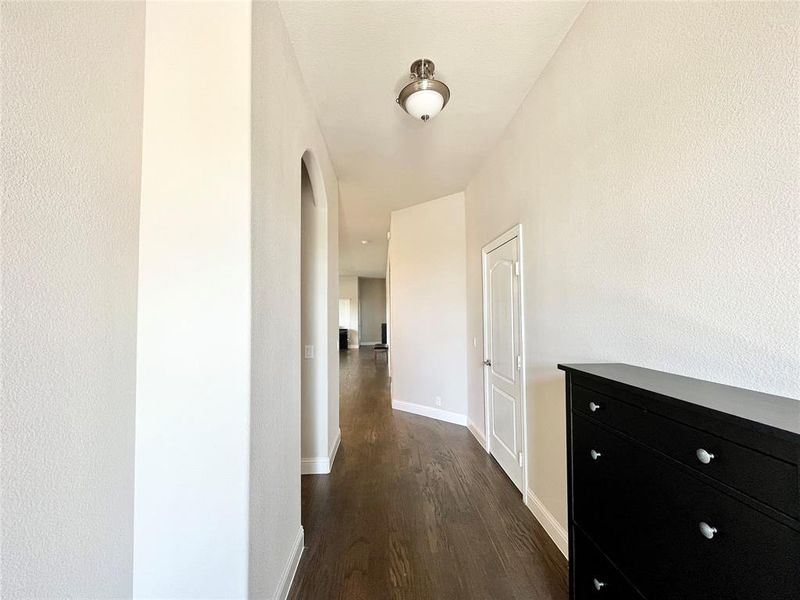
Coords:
516,268
519,362
520,459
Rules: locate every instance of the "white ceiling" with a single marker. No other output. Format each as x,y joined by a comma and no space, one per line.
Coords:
354,57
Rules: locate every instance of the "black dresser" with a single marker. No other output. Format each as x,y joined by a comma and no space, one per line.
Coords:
680,489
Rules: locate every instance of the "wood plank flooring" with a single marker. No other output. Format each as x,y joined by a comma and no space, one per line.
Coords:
414,508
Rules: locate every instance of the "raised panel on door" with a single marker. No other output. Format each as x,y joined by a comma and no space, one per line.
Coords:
502,343
504,421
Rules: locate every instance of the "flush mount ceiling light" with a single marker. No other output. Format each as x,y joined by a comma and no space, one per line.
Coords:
424,97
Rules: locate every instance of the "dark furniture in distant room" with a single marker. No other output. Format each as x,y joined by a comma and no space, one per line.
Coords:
382,347
344,338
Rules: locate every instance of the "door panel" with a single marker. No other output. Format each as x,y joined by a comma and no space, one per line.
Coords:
504,421
503,335
502,347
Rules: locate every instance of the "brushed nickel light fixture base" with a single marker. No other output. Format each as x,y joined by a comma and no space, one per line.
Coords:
422,68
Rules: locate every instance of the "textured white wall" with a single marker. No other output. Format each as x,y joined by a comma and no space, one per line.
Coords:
654,168
193,402
207,425
428,271
71,159
348,288
284,127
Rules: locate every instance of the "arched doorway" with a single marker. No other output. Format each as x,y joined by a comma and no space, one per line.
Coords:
317,416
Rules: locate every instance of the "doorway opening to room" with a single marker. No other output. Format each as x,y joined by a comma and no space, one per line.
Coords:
504,356
363,315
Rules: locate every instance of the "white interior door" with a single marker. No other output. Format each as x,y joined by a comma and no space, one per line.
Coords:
504,358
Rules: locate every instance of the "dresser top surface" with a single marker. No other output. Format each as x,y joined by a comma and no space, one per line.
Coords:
775,412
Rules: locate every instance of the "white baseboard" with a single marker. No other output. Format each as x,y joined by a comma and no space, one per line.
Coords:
321,465
334,448
369,343
428,411
354,347
553,528
287,576
477,433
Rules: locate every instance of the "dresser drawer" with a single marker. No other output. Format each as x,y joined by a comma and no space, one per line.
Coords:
647,513
766,478
594,576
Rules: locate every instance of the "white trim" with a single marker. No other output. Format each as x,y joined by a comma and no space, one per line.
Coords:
514,232
321,465
355,347
476,433
524,369
334,448
429,411
289,570
553,528
369,343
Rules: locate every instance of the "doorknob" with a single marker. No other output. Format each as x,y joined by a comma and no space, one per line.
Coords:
487,362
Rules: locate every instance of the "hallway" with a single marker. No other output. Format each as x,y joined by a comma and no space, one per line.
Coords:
415,509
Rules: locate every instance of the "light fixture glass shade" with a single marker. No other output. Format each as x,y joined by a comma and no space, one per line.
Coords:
424,104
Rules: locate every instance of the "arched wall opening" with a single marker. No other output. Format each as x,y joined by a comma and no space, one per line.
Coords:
314,338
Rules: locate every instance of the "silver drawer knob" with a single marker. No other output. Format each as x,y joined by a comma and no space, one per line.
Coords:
593,406
598,585
704,456
707,530
595,454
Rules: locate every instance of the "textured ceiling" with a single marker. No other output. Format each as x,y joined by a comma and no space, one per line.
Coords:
355,56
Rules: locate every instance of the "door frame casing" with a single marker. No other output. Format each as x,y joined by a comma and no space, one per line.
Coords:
514,232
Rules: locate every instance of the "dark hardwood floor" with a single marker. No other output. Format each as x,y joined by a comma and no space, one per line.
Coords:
414,508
